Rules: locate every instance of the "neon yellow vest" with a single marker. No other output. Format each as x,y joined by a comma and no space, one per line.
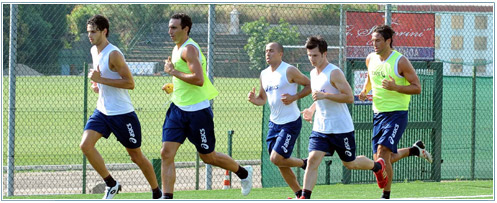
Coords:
185,94
386,100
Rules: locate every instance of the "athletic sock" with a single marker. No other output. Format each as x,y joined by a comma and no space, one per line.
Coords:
376,167
305,164
168,195
109,181
306,193
413,151
156,193
242,173
386,195
298,193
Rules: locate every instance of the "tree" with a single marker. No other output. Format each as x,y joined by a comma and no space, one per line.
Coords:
127,21
260,33
40,30
6,37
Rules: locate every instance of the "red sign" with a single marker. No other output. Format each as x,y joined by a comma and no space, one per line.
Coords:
414,34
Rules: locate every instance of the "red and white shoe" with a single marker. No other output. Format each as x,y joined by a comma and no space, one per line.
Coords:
381,175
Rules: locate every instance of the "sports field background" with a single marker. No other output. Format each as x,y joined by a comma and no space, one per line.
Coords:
50,88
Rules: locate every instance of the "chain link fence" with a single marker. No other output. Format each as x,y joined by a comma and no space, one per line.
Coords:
48,92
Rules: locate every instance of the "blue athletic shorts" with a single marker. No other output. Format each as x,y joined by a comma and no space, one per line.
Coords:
342,143
197,126
388,129
282,138
126,127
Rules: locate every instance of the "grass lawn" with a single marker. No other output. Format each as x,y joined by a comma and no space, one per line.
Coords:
50,119
410,190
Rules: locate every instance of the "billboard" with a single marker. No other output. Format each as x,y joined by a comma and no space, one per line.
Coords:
414,34
414,38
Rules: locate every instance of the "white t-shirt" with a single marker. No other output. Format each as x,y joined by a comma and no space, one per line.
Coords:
330,116
111,100
275,84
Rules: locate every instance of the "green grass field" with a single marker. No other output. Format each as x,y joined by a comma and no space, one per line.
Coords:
410,190
50,119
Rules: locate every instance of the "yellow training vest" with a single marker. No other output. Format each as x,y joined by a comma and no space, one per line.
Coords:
185,94
386,100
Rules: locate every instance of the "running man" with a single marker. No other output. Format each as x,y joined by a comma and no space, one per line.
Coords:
279,84
393,80
190,114
111,79
333,129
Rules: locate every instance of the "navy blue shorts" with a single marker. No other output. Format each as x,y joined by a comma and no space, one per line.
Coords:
197,126
342,143
126,127
282,138
388,128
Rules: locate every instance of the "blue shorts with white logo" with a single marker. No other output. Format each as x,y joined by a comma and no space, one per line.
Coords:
388,128
282,138
197,126
126,127
342,143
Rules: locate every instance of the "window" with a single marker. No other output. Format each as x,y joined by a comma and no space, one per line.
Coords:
457,42
456,65
457,22
480,43
480,65
437,42
438,21
481,22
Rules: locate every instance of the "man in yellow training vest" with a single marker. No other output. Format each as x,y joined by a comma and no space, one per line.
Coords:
190,114
393,80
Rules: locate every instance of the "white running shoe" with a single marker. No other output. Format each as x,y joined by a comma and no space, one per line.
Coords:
247,182
423,153
110,192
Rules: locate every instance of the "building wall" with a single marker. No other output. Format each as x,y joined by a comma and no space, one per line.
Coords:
464,40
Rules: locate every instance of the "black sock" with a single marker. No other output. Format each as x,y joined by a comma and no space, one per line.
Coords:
386,195
306,193
413,151
376,167
305,164
298,193
109,181
156,193
242,173
168,195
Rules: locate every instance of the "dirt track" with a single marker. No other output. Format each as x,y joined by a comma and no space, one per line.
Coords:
70,182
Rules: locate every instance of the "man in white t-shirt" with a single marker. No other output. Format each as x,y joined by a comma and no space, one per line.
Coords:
111,79
333,129
279,84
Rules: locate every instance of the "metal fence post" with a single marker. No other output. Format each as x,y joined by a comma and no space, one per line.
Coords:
197,173
388,14
210,41
473,124
208,177
328,171
230,149
12,99
436,137
85,118
299,140
210,62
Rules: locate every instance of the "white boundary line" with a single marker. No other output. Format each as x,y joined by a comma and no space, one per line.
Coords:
448,197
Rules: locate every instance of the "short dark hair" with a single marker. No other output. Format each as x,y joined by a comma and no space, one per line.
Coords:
278,45
386,31
100,22
185,21
316,41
